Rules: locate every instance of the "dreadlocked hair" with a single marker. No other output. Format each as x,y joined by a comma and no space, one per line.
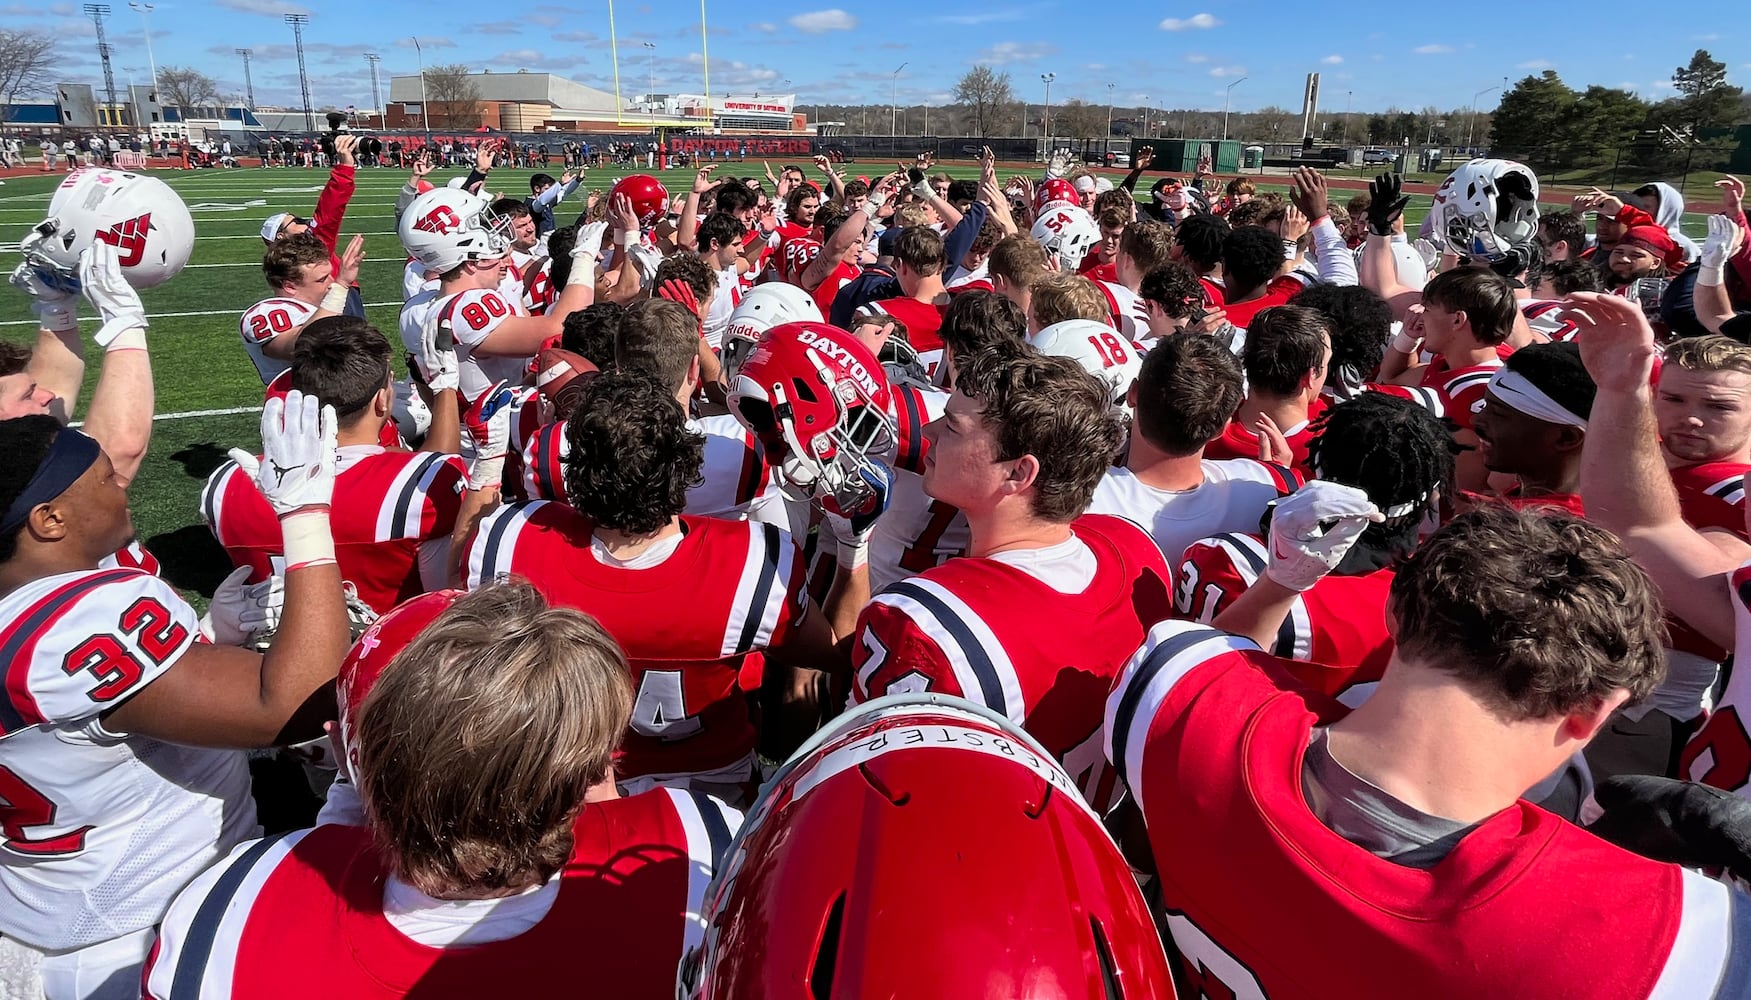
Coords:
1389,448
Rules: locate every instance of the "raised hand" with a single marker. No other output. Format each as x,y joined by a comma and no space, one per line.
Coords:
297,467
1387,203
1308,192
1732,195
1312,530
1617,344
118,304
702,180
350,260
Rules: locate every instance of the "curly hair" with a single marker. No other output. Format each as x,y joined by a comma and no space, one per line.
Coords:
1391,449
1200,238
1049,408
632,457
1361,324
1539,614
1251,256
1175,288
284,260
691,270
590,332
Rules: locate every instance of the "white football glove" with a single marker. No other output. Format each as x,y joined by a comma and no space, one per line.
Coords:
1722,242
437,360
1058,164
1313,529
55,308
589,242
118,304
239,613
297,468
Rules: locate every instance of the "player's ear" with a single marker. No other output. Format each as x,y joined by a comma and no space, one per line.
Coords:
1023,473
48,521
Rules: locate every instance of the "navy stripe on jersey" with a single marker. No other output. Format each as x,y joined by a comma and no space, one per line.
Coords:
1288,481
716,830
762,590
1727,488
191,966
489,565
1736,979
210,496
1158,658
408,489
27,631
910,455
748,485
1285,644
543,459
990,687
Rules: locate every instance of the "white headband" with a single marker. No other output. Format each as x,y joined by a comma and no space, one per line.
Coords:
1515,390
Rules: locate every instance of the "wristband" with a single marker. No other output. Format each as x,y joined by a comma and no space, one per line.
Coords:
335,299
131,339
1711,274
1404,343
306,538
626,239
853,555
873,204
57,317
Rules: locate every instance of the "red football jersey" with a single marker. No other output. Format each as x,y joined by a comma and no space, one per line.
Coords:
301,915
730,589
1278,291
1720,752
987,631
1462,389
1712,495
923,321
389,436
825,292
1334,636
1238,441
1264,900
388,505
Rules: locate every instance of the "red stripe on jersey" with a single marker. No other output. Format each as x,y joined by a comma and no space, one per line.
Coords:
19,640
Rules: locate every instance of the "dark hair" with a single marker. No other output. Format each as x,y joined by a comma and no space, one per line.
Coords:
691,269
631,459
1486,298
539,181
343,361
14,358
1148,244
829,218
25,441
1251,256
1389,448
962,190
1538,613
794,200
1047,407
1118,198
976,320
510,207
591,331
1564,227
659,337
1360,325
1574,275
1201,238
1187,391
722,229
284,260
1175,288
734,196
855,189
920,248
559,256
1557,371
1283,344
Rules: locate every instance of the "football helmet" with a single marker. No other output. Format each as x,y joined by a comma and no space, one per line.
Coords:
929,848
373,651
1068,233
446,227
764,307
141,216
1056,191
1101,351
1487,208
819,402
650,200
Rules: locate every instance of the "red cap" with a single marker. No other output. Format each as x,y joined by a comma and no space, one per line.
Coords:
1658,242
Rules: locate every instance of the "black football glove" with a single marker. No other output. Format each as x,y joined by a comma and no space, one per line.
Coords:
1686,823
1386,202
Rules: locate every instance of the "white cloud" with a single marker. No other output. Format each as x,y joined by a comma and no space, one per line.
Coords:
765,26
1222,71
822,21
270,8
1536,64
1014,52
1432,50
989,17
1710,37
499,28
1095,67
1197,58
1333,60
1199,21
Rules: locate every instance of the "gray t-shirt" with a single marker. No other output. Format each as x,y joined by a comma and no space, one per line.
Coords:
1370,818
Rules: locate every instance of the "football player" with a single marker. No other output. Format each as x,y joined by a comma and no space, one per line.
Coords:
324,222
1252,278
720,239
1533,424
1185,393
1703,404
425,878
1016,262
299,270
526,277
1019,449
1141,248
919,262
119,775
1286,357
1401,827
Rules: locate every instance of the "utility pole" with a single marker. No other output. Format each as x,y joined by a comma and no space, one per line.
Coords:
1225,97
1109,111
650,97
376,93
894,101
298,21
1046,112
97,12
1471,127
248,84
151,63
425,113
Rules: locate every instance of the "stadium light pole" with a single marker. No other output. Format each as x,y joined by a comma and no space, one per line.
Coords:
1469,128
298,21
650,97
425,112
894,102
151,63
1225,97
248,81
1109,111
1046,112
376,91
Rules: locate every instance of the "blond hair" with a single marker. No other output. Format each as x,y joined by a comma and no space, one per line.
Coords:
479,740
1713,353
1058,296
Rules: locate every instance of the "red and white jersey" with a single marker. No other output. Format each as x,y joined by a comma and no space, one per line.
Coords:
686,624
917,531
1551,318
923,322
825,292
303,915
1462,389
1712,495
723,302
1264,900
1233,497
984,630
99,829
264,321
416,311
534,284
1334,636
392,516
131,556
1432,400
389,436
794,257
471,317
1129,315
736,482
976,280
1238,440
414,280
1720,752
1097,270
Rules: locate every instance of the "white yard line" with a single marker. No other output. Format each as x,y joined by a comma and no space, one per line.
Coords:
179,315
186,414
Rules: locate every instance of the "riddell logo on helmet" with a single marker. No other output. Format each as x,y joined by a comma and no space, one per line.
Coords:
842,354
129,239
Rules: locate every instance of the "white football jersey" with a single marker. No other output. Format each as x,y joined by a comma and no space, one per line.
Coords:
415,313
723,303
472,316
264,321
1233,497
413,280
100,830
1128,314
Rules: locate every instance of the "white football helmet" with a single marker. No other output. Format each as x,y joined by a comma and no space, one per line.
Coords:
141,216
445,227
1487,208
1068,233
764,307
1101,351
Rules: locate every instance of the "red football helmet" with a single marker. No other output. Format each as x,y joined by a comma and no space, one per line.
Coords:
649,198
381,643
1053,191
923,846
819,401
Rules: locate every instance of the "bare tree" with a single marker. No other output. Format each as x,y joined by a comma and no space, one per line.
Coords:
453,96
24,65
1078,119
987,95
186,87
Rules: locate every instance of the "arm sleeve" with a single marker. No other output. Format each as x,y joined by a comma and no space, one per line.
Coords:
960,239
1337,266
331,206
547,197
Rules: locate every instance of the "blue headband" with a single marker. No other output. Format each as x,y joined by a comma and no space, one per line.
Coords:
68,458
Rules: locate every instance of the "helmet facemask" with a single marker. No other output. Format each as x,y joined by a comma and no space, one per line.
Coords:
834,467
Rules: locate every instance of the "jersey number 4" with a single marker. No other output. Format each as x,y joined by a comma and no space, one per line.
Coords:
116,669
660,710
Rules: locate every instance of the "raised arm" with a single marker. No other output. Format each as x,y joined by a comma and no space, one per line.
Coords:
121,406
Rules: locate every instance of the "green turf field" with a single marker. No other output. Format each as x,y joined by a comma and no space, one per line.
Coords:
198,360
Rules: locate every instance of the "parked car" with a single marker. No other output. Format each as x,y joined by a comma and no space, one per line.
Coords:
1378,156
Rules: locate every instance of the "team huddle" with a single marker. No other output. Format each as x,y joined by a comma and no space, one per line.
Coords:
741,589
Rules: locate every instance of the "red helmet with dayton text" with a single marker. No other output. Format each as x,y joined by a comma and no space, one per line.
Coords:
650,200
820,403
371,653
923,846
140,216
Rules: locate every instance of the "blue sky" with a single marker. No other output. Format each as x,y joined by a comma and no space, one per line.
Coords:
1373,54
